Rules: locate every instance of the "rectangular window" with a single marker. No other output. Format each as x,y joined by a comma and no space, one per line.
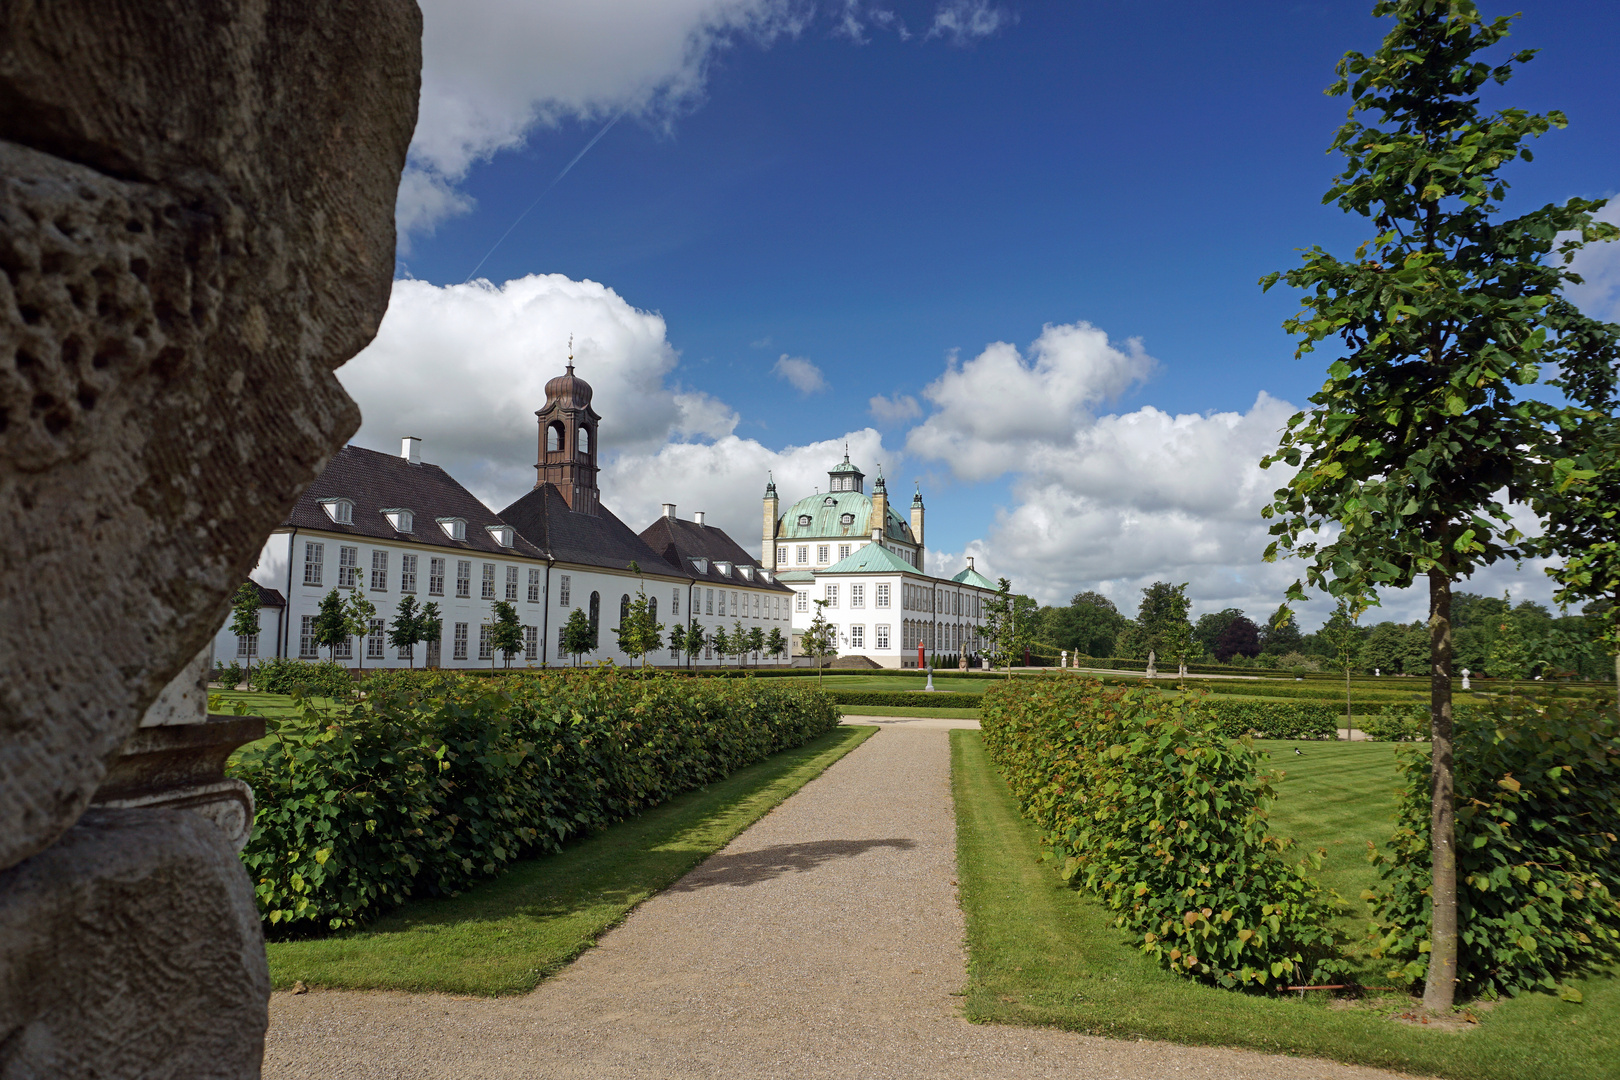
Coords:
560,631
734,602
781,556
857,596
407,653
803,556
708,649
674,603
379,571
756,605
801,601
857,637
314,556
407,573
435,577
247,645
511,582
534,585
463,578
348,566
708,602
306,637
821,554
489,581
565,588
344,649
778,607
458,643
484,650
531,643
880,636
880,595
832,596
374,640
843,551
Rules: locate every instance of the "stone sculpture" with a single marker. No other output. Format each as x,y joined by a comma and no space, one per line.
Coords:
196,229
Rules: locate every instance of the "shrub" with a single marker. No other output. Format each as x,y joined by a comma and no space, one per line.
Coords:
1272,719
1145,801
1538,881
906,699
230,675
283,675
437,780
1396,725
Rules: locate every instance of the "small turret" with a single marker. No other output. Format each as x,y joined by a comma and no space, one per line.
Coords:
767,548
917,524
879,525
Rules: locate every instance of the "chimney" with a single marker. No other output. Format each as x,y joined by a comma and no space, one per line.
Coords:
698,517
970,562
669,510
410,448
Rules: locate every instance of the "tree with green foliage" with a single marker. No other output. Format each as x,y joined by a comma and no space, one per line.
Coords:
578,638
640,631
505,632
696,638
429,624
1280,634
722,644
677,640
1443,314
245,614
1343,637
776,644
1009,625
1090,624
1162,623
1510,653
756,641
406,628
331,625
359,612
821,639
1209,627
739,641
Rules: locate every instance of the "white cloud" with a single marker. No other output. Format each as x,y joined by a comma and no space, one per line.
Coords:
804,376
993,409
465,366
1599,264
962,21
894,410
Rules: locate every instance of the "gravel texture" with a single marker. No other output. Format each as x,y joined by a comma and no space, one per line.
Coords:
825,941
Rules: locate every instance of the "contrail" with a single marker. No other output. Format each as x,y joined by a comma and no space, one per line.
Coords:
555,181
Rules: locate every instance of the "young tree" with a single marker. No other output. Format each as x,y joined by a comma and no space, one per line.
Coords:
577,636
1343,636
640,633
429,624
506,633
331,625
1443,314
245,615
1163,624
696,638
1009,624
776,644
359,612
406,629
739,641
821,639
677,639
756,641
722,644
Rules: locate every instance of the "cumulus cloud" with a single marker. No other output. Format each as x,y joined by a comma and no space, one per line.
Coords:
465,366
1599,264
993,409
962,21
800,373
895,410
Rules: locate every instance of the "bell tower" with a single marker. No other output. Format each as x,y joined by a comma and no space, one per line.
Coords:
568,443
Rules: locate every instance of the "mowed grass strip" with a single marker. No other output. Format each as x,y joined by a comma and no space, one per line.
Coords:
1043,954
921,714
507,934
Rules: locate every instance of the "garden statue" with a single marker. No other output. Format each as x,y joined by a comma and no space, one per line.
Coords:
1152,670
196,229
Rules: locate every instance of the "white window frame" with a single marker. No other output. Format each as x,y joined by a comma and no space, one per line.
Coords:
306,638
801,601
802,556
464,579
435,577
314,560
843,552
487,583
857,595
565,588
857,636
407,574
781,555
534,584
379,570
458,642
708,602
247,645
733,603
880,595
821,554
675,603
831,594
880,637
511,583
374,640
486,651
348,566
531,643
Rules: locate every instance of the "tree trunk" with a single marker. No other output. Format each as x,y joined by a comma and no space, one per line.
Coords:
1347,701
1439,988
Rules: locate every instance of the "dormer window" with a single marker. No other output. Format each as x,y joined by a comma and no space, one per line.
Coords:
723,567
747,572
847,519
501,534
401,519
804,521
765,576
339,510
829,501
701,565
454,528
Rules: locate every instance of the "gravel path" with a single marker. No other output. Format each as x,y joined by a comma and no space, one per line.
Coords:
825,941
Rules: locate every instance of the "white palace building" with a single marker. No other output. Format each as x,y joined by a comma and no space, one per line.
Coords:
392,526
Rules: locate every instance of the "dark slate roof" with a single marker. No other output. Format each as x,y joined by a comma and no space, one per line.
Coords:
544,520
270,598
680,542
375,482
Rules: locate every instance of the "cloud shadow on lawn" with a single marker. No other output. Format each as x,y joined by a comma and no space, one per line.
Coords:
766,864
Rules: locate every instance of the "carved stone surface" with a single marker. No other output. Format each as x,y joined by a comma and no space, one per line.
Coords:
131,947
196,228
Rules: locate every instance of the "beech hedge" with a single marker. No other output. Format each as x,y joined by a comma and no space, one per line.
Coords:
1144,801
437,780
1538,873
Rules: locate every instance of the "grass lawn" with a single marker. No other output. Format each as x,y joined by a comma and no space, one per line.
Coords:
902,683
1041,953
507,934
929,714
257,703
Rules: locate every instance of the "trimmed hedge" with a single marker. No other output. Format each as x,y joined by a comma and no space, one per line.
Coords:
907,699
1271,719
438,780
1538,873
323,678
1146,802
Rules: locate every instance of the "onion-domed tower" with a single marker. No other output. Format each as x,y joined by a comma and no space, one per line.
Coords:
568,442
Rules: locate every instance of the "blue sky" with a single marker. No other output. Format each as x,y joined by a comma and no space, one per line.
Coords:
841,186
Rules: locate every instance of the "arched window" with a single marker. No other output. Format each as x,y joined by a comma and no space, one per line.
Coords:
596,619
652,608
584,439
554,437
624,609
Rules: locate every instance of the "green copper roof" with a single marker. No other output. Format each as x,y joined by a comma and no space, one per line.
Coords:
826,514
844,466
972,577
872,559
